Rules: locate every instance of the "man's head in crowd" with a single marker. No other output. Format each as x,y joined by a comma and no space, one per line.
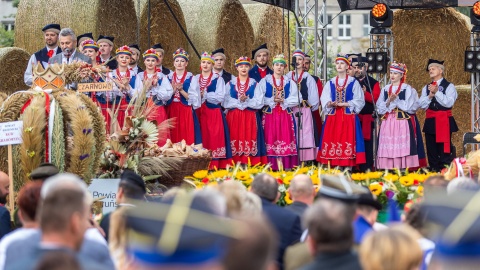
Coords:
301,189
4,187
266,187
131,186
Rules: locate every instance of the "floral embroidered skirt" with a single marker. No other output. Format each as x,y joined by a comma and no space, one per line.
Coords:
279,129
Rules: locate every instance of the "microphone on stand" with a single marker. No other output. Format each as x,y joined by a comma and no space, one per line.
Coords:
294,62
67,54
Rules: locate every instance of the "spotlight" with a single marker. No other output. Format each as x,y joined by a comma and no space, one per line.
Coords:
472,60
381,16
377,61
475,14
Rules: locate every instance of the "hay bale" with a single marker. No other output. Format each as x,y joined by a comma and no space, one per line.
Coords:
109,17
163,28
461,111
267,23
218,23
13,62
441,34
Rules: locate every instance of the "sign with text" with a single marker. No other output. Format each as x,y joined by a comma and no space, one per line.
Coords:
95,87
105,188
11,133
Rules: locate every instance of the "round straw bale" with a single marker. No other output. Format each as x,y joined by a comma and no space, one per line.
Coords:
163,28
267,23
218,23
107,17
441,34
13,62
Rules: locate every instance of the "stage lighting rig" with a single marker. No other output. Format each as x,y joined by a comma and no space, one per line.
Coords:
381,16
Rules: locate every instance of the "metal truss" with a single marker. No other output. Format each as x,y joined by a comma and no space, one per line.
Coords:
475,85
381,40
311,33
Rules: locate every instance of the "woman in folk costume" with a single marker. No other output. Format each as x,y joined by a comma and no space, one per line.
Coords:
215,134
91,49
242,100
279,127
183,102
310,100
397,145
158,87
117,100
342,99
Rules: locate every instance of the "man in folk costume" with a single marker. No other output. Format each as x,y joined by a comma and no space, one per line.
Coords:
133,66
242,100
106,47
220,58
81,38
281,97
438,98
50,34
371,92
161,52
261,69
307,130
342,99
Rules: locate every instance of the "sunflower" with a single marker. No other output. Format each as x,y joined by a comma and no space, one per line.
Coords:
218,174
287,179
315,179
200,174
374,175
375,188
302,170
359,176
287,198
243,176
407,180
420,190
391,177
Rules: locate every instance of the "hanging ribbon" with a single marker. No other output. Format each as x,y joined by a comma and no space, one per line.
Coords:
51,119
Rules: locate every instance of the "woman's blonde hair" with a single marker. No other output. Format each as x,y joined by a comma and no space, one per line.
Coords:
391,249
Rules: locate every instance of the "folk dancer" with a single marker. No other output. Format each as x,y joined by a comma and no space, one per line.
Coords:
114,104
342,99
215,133
220,58
50,34
309,103
279,126
81,38
438,98
242,100
184,101
371,92
261,69
397,147
161,52
106,46
133,65
158,87
316,114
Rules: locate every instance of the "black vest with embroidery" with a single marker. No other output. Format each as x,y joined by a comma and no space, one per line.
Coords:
227,77
434,105
369,83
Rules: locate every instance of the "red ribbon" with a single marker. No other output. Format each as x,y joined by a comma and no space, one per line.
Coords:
50,53
442,127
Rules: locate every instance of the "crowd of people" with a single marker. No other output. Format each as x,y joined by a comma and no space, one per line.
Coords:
226,226
271,115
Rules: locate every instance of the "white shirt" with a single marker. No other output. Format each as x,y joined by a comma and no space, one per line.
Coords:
409,105
193,92
355,105
288,102
163,92
313,98
14,236
446,100
28,76
216,97
256,102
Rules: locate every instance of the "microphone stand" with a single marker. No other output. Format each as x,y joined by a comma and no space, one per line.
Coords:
299,113
376,120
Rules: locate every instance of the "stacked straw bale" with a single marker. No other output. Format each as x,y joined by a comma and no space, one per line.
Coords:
13,62
441,34
267,23
107,17
218,23
163,28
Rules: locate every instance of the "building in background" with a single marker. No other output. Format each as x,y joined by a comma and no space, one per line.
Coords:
7,14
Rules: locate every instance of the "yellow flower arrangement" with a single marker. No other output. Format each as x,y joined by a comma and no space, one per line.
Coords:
407,180
287,179
243,176
218,174
315,179
420,191
374,175
359,176
200,174
375,188
390,177
287,198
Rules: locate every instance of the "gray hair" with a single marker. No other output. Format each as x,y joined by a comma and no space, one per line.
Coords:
66,181
65,32
462,184
214,198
